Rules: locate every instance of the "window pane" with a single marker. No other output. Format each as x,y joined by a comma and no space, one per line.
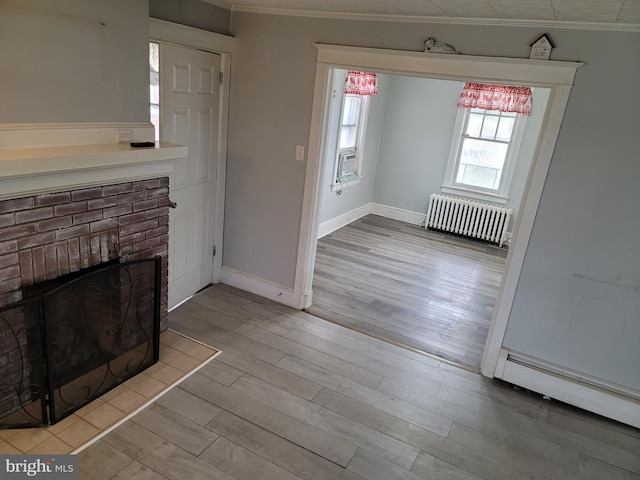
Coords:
154,89
154,57
475,124
505,129
348,137
155,119
479,176
489,127
481,163
351,110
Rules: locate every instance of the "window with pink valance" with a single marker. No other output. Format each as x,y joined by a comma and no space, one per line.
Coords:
361,83
496,97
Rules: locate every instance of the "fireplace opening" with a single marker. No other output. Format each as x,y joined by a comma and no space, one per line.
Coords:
70,341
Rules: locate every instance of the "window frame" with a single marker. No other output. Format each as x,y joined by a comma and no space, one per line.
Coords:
358,149
498,195
154,93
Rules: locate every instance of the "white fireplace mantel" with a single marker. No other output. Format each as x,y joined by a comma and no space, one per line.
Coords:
49,158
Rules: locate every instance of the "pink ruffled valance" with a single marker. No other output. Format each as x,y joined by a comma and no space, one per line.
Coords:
496,97
361,83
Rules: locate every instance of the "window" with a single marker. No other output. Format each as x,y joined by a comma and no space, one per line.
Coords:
352,104
154,89
483,153
351,139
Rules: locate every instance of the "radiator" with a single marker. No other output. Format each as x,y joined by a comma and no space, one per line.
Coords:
468,218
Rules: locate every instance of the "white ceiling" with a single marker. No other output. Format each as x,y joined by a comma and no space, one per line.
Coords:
607,12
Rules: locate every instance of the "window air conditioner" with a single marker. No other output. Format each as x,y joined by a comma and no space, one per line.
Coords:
347,164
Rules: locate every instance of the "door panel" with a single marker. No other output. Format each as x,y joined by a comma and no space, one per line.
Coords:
181,77
201,252
205,83
189,116
180,135
178,236
203,167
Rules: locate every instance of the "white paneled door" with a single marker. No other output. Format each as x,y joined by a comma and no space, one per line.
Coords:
189,102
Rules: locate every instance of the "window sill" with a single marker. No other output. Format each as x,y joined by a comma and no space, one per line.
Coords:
342,185
475,194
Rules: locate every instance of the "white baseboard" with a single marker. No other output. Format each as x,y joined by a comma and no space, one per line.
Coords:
262,287
340,221
400,214
301,300
593,395
407,216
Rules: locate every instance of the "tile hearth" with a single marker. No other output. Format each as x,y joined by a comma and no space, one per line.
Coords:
179,356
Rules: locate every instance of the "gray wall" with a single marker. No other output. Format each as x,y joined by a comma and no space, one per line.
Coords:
592,176
194,13
578,298
74,61
414,150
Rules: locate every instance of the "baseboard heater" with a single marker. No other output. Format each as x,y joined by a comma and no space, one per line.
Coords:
570,386
469,218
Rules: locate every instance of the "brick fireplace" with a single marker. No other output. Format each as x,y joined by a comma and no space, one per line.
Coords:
72,198
53,234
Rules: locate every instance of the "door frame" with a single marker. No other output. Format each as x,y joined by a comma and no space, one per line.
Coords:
554,75
168,32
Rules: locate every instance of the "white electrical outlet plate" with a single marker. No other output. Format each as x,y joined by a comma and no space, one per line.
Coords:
123,136
300,152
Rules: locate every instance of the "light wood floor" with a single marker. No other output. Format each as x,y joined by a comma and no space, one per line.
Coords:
293,397
428,290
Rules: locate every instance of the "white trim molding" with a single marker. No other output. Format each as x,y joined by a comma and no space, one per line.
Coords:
262,287
483,196
556,76
169,32
340,221
515,71
400,214
575,388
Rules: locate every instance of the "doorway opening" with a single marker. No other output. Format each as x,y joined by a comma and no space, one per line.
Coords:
184,100
209,132
376,270
557,77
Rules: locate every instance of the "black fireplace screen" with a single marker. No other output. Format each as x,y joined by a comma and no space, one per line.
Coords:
77,341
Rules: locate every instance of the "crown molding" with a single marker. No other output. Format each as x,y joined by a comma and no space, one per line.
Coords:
621,27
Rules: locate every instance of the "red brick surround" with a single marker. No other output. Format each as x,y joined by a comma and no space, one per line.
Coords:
45,236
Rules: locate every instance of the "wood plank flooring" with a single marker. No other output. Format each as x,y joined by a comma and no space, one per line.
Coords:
427,290
294,397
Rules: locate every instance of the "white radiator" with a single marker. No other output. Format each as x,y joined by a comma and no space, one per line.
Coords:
468,217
